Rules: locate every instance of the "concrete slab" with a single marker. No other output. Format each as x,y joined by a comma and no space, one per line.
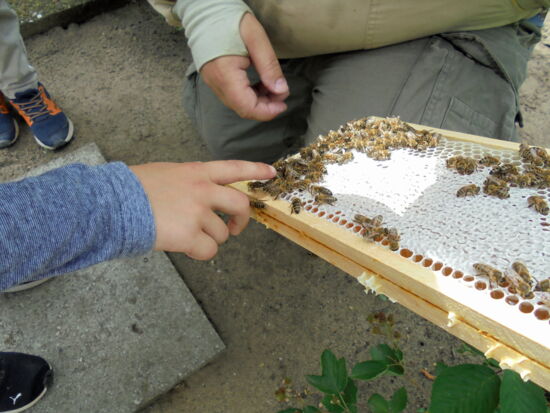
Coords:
118,334
37,16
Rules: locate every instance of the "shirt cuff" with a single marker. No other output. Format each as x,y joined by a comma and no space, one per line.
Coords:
135,216
212,28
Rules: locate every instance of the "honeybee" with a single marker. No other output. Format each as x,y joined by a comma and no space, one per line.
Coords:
371,233
318,189
534,155
377,221
254,186
361,220
526,180
463,165
302,184
523,288
504,170
379,155
452,161
393,238
466,166
538,203
257,203
468,190
521,269
295,205
392,234
325,199
489,160
496,187
344,158
309,153
491,273
543,285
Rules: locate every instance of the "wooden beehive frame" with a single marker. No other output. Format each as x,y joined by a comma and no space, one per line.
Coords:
416,287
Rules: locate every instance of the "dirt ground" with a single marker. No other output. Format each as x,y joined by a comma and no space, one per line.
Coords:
276,307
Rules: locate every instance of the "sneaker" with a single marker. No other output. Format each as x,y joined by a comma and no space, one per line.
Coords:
9,129
52,129
24,379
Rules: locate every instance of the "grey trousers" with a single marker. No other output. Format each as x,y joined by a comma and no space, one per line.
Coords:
16,73
427,81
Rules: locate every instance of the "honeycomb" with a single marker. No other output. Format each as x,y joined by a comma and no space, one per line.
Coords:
416,193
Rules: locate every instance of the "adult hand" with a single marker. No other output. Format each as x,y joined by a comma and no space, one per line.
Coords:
226,76
184,196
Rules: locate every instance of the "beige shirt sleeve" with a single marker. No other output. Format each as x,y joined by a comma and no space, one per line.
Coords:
212,28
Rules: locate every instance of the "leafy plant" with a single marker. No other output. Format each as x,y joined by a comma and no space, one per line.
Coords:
465,388
484,388
339,387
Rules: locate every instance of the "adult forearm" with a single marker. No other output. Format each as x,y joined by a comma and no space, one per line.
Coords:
71,218
212,28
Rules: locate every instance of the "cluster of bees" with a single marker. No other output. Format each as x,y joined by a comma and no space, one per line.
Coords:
535,174
374,137
519,277
374,231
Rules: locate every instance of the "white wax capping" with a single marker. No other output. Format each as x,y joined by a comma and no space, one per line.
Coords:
491,350
451,319
370,281
416,193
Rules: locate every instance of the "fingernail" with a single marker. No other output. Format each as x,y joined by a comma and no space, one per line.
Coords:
280,85
273,170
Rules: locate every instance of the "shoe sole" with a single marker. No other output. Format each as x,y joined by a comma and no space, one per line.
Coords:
25,286
66,141
16,126
31,404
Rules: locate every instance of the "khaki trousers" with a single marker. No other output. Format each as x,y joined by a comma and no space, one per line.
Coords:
428,81
16,73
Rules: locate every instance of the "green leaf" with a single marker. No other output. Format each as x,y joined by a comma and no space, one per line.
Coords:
330,406
517,396
311,409
378,404
291,410
467,388
350,393
466,348
440,367
392,357
422,410
398,401
321,383
492,363
334,374
368,370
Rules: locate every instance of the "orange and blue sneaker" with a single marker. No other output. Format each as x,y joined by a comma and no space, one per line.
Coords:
51,128
9,129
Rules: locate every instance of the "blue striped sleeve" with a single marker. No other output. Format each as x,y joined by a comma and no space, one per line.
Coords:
71,218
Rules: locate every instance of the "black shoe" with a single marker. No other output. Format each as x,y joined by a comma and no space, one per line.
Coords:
24,379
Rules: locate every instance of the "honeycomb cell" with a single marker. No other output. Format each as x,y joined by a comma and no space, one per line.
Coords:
437,266
512,300
526,307
447,271
497,294
406,253
542,314
480,285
